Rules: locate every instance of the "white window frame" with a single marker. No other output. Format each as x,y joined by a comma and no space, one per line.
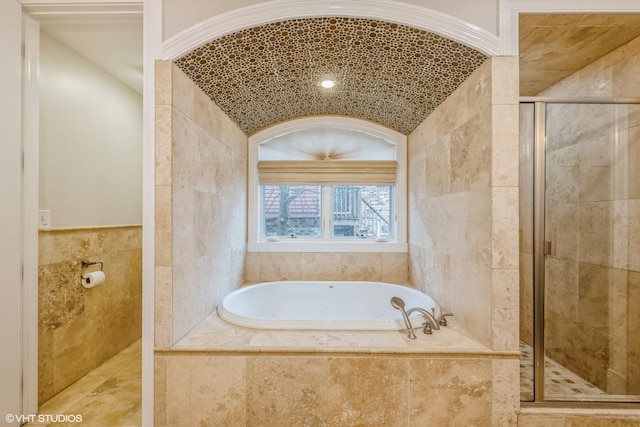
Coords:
399,241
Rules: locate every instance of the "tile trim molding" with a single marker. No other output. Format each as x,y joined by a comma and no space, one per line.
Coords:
279,10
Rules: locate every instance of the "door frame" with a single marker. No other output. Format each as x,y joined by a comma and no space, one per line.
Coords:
79,9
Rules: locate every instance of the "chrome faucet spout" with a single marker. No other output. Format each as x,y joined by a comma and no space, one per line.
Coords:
398,303
430,319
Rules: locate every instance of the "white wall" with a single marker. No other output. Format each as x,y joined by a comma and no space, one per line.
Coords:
182,14
90,142
10,212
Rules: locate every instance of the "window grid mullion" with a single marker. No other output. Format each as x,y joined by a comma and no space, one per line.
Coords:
327,209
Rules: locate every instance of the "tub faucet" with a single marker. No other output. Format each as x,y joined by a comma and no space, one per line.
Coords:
430,321
440,315
398,303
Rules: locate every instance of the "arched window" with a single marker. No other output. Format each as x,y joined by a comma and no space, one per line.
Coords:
327,184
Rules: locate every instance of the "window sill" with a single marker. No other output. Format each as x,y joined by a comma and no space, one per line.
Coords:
300,245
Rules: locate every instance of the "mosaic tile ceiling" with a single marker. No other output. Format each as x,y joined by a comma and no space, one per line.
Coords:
384,72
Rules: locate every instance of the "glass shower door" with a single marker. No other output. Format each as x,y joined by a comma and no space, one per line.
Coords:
592,252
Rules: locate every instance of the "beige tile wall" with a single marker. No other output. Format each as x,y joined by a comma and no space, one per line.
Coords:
201,164
379,267
384,390
80,328
463,203
594,197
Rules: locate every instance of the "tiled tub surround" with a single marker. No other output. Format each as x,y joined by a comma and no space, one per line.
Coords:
220,374
80,328
389,267
200,235
240,376
463,203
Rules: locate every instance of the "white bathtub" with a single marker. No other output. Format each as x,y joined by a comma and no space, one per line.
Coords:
320,305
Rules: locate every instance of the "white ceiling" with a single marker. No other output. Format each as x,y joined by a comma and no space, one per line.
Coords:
110,37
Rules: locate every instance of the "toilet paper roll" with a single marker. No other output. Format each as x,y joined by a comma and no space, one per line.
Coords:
90,280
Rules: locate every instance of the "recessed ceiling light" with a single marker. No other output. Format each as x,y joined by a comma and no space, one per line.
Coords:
327,84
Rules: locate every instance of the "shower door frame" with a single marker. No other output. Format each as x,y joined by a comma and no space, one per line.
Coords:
539,188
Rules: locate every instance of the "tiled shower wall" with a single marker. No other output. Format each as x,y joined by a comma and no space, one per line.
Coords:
593,278
201,204
463,203
80,328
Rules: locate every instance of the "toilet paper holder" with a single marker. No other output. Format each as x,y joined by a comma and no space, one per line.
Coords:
86,264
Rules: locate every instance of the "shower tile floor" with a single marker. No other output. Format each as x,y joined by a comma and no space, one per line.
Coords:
560,383
108,396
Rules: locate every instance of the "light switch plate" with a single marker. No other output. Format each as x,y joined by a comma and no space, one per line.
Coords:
44,219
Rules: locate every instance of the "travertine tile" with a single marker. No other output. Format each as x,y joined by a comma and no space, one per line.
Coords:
594,285
178,391
361,266
276,266
163,82
233,136
289,339
395,268
564,229
185,153
206,114
183,232
451,392
504,305
349,405
109,395
417,171
504,146
163,226
163,306
163,144
596,246
159,391
471,298
216,390
213,332
182,91
626,228
252,267
470,153
633,322
505,388
60,294
505,80
320,266
625,79
81,328
504,234
45,365
365,339
287,390
562,290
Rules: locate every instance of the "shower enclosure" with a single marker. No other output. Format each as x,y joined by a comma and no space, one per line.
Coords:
580,250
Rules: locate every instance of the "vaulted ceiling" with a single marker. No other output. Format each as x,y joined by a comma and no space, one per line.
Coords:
384,72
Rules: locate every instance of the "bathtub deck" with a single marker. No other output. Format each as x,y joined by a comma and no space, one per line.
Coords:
215,335
229,375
